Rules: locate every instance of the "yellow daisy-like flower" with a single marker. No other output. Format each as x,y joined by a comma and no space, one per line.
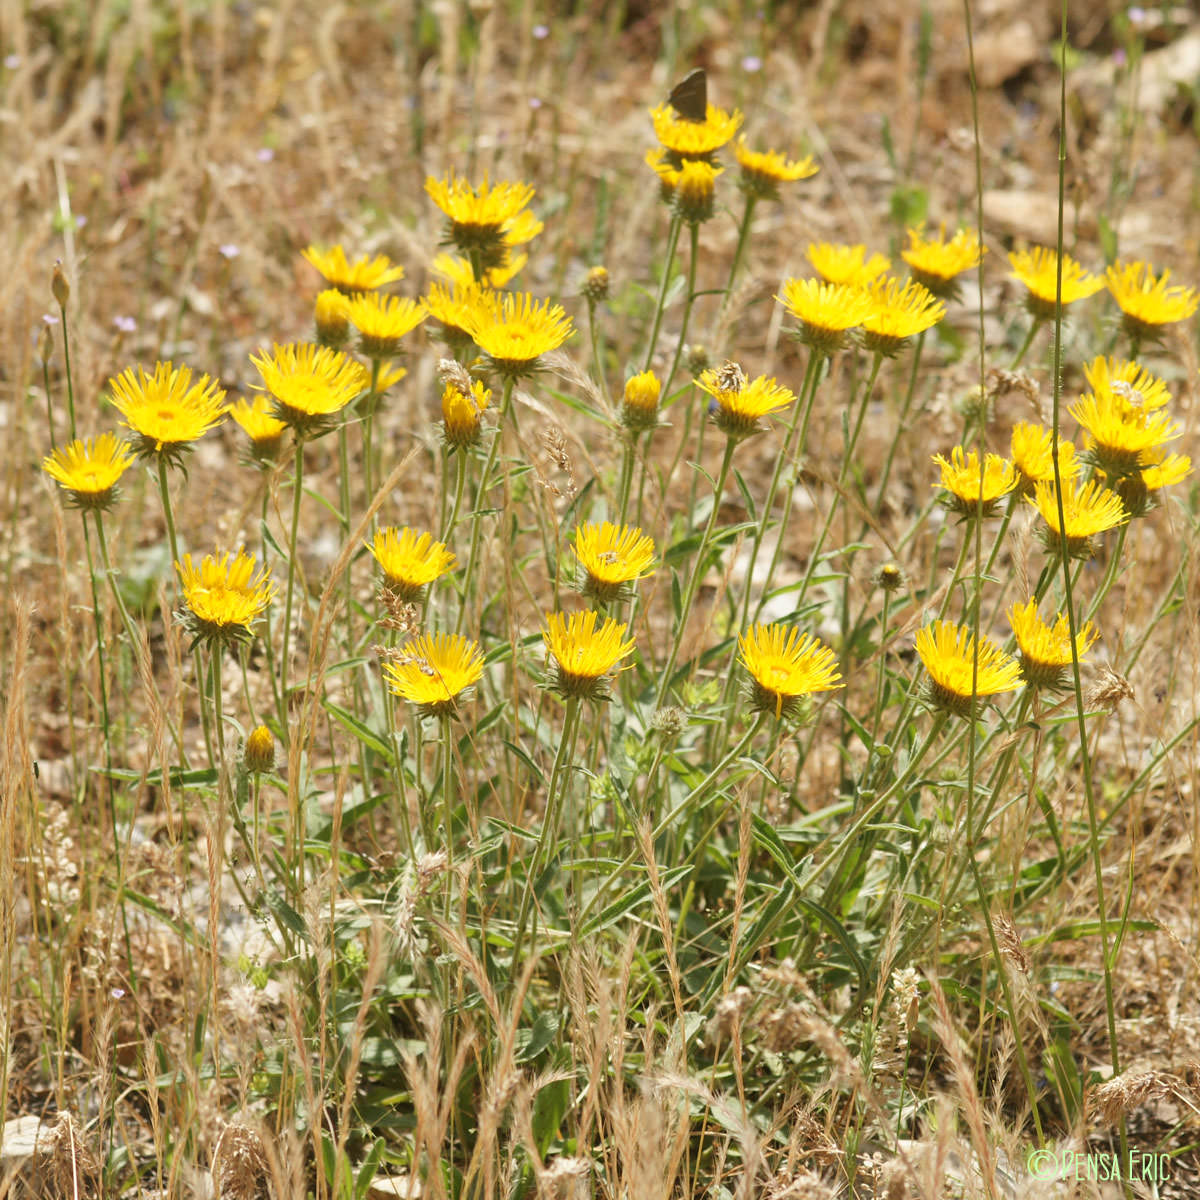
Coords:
1158,470
1146,301
1118,433
764,170
584,654
515,330
900,311
1129,380
686,139
523,228
388,375
382,321
827,312
639,404
693,189
1089,510
786,665
937,263
463,406
612,556
223,597
478,218
331,318
847,265
452,307
166,410
310,384
1046,650
742,403
1033,456
1037,269
264,429
457,271
351,278
970,491
410,560
434,671
89,471
947,651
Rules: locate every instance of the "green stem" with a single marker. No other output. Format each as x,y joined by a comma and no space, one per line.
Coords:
67,361
687,308
693,583
548,838
672,242
1035,325
485,482
902,421
284,662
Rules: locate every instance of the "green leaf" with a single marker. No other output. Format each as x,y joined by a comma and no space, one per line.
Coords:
632,899
359,729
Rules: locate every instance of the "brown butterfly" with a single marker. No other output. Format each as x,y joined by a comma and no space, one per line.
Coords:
689,98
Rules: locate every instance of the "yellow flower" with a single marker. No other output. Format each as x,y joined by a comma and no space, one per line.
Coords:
764,170
1145,300
382,321
694,139
264,429
1118,433
595,285
1033,456
1088,510
453,307
457,271
639,404
463,405
223,597
166,409
515,330
848,265
1046,650
900,311
786,665
1131,381
741,403
331,319
968,493
583,654
612,556
434,671
1157,470
947,652
1160,470
259,752
826,312
937,263
693,188
362,275
89,471
310,384
409,559
478,219
388,375
1037,269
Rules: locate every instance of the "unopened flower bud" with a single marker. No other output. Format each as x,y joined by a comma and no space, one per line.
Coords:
59,286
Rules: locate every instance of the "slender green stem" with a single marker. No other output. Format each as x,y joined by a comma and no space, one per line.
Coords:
284,660
687,308
672,243
448,802
739,253
548,838
902,420
597,350
67,362
49,405
461,459
1034,326
693,582
628,455
485,482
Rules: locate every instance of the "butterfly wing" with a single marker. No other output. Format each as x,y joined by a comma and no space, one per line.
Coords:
689,97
